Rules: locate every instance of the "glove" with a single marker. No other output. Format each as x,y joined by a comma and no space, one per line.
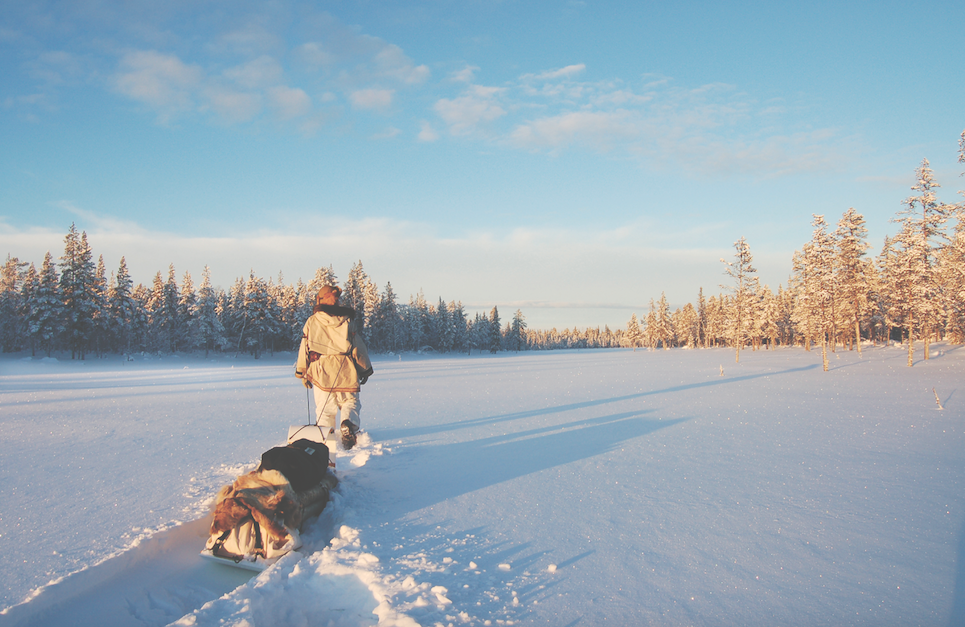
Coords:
307,384
364,376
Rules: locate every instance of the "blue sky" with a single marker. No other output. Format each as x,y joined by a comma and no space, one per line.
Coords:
572,159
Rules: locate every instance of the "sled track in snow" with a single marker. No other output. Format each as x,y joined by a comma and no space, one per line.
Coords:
154,583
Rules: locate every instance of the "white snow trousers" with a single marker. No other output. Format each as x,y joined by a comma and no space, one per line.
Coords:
327,404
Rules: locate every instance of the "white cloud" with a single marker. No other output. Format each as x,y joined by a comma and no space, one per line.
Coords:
230,105
427,133
564,72
392,62
467,113
253,38
315,54
389,133
262,72
290,102
161,81
597,129
377,99
465,75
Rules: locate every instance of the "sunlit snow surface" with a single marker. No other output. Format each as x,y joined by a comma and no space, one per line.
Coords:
559,488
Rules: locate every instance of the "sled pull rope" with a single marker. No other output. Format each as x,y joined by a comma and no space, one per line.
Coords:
337,372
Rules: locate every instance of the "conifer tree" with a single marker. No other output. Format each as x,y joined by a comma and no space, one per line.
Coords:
77,285
101,314
495,331
11,323
210,331
634,334
121,309
187,339
517,331
257,315
460,328
922,232
28,289
744,286
45,319
852,269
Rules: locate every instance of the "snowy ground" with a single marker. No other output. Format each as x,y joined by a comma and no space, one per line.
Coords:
562,488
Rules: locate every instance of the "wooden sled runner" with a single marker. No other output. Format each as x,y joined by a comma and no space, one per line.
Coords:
257,519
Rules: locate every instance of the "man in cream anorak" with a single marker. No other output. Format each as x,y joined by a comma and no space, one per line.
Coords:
334,362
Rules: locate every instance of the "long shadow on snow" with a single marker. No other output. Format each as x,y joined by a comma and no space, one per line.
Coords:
478,464
397,434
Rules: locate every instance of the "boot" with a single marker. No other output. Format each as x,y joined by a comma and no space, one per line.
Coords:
348,432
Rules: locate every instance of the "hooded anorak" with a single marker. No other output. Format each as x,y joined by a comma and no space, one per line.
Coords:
332,355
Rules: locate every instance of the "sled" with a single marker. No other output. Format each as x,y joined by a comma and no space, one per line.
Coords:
258,518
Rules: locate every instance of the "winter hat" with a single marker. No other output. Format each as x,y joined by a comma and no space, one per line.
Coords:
325,291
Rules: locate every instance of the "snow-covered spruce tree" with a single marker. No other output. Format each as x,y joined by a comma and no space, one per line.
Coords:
387,325
743,287
141,337
819,287
924,219
173,325
45,319
495,331
701,319
233,315
157,327
102,315
951,270
210,331
477,333
11,321
460,327
664,330
257,309
908,274
353,294
285,297
28,287
852,270
517,332
634,334
77,288
443,328
651,327
121,306
687,327
952,266
187,331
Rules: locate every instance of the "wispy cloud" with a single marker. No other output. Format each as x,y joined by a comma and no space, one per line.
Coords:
712,129
161,81
564,72
427,133
377,99
468,113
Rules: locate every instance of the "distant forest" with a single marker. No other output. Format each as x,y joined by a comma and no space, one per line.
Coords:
837,296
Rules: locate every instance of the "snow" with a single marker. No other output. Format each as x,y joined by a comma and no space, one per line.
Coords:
558,488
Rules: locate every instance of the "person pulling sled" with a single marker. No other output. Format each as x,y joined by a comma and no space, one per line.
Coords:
334,362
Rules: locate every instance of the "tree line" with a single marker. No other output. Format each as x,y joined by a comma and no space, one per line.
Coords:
836,296
912,291
72,305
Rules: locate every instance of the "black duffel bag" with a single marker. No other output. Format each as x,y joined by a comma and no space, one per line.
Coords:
303,463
